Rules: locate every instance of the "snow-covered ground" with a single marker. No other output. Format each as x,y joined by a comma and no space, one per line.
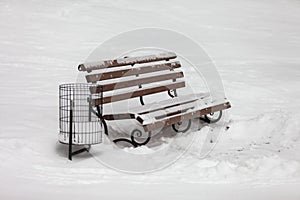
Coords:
256,46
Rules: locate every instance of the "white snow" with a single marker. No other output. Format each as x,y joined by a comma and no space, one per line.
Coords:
255,45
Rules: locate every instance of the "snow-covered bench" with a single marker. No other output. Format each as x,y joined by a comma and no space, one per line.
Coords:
135,77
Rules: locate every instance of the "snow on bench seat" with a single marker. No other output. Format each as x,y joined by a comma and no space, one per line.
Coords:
175,103
152,123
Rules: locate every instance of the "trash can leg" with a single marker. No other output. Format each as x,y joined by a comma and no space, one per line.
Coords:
71,131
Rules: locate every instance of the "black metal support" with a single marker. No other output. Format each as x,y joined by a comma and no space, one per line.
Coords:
212,117
132,139
142,100
90,107
100,111
81,151
172,95
99,114
71,153
71,130
179,128
140,134
174,90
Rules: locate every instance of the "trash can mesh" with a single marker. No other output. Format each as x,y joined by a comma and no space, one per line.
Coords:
74,100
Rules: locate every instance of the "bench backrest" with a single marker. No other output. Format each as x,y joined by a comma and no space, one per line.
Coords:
145,72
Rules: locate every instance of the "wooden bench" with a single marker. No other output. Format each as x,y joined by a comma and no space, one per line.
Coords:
135,77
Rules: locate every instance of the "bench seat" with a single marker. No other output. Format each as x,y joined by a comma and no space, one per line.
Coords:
156,120
156,106
167,112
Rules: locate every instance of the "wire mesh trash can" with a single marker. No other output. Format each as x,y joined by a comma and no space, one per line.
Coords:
78,123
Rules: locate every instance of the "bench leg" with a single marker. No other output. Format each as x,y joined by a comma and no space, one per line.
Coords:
172,95
125,140
212,117
142,100
98,114
183,126
132,139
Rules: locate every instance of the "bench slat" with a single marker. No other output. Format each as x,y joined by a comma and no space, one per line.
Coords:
152,107
119,116
130,72
136,82
138,93
125,61
166,112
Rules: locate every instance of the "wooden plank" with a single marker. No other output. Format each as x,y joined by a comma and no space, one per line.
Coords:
138,93
131,72
119,116
135,82
168,103
167,112
185,116
125,61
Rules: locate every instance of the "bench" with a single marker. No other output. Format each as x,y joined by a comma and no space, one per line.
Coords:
136,77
